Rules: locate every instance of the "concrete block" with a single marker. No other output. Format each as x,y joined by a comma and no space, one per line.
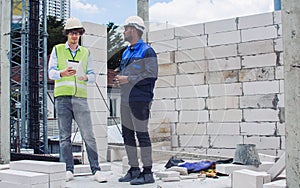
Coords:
257,128
193,67
192,42
258,20
193,116
190,104
226,141
165,46
221,51
161,35
262,87
170,179
115,154
228,76
57,176
191,176
22,185
38,166
264,143
260,33
165,93
94,29
163,105
167,69
263,60
181,170
230,168
93,41
190,79
23,177
233,63
257,101
165,81
257,74
224,38
228,102
254,115
230,115
278,168
189,55
81,169
165,58
191,128
276,184
256,47
189,30
105,167
193,91
225,89
223,128
221,26
58,184
249,179
194,140
167,174
4,166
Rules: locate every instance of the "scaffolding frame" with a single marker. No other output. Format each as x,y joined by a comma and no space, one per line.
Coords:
28,57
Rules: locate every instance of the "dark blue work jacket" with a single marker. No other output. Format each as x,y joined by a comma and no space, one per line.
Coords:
139,63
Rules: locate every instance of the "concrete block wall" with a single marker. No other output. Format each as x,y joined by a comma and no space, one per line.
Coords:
221,84
95,40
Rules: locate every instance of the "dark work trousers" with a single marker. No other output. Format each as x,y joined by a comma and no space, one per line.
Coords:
134,118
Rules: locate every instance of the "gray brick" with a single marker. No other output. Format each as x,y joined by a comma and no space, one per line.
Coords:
257,74
224,38
222,77
220,26
224,64
192,42
256,47
260,33
257,20
190,30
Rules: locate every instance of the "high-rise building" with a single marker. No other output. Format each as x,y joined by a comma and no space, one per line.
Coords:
59,8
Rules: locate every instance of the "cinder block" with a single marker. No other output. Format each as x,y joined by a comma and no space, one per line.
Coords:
4,167
249,179
169,179
58,184
22,185
167,174
23,177
105,167
82,169
230,168
38,166
276,184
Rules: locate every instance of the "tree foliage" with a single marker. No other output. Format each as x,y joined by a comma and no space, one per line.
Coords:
115,46
55,35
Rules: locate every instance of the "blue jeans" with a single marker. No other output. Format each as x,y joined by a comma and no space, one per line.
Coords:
135,117
69,108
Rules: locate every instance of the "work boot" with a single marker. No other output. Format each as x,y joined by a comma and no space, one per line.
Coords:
143,179
130,175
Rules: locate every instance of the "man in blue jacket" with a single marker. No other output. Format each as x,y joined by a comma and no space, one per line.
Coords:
138,73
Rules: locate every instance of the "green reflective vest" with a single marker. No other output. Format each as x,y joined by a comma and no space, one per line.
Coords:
70,85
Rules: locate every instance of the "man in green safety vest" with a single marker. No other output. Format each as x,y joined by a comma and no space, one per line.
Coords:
70,67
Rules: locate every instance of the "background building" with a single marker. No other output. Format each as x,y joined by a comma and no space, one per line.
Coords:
59,8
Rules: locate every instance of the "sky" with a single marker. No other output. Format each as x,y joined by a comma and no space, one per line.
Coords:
169,12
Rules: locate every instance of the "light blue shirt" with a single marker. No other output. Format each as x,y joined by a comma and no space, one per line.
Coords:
54,73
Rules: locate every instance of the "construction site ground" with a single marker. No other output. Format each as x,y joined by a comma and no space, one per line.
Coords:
86,181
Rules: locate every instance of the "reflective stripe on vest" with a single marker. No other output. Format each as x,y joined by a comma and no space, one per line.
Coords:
70,85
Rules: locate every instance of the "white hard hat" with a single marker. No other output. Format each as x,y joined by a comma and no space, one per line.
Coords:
73,23
135,21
